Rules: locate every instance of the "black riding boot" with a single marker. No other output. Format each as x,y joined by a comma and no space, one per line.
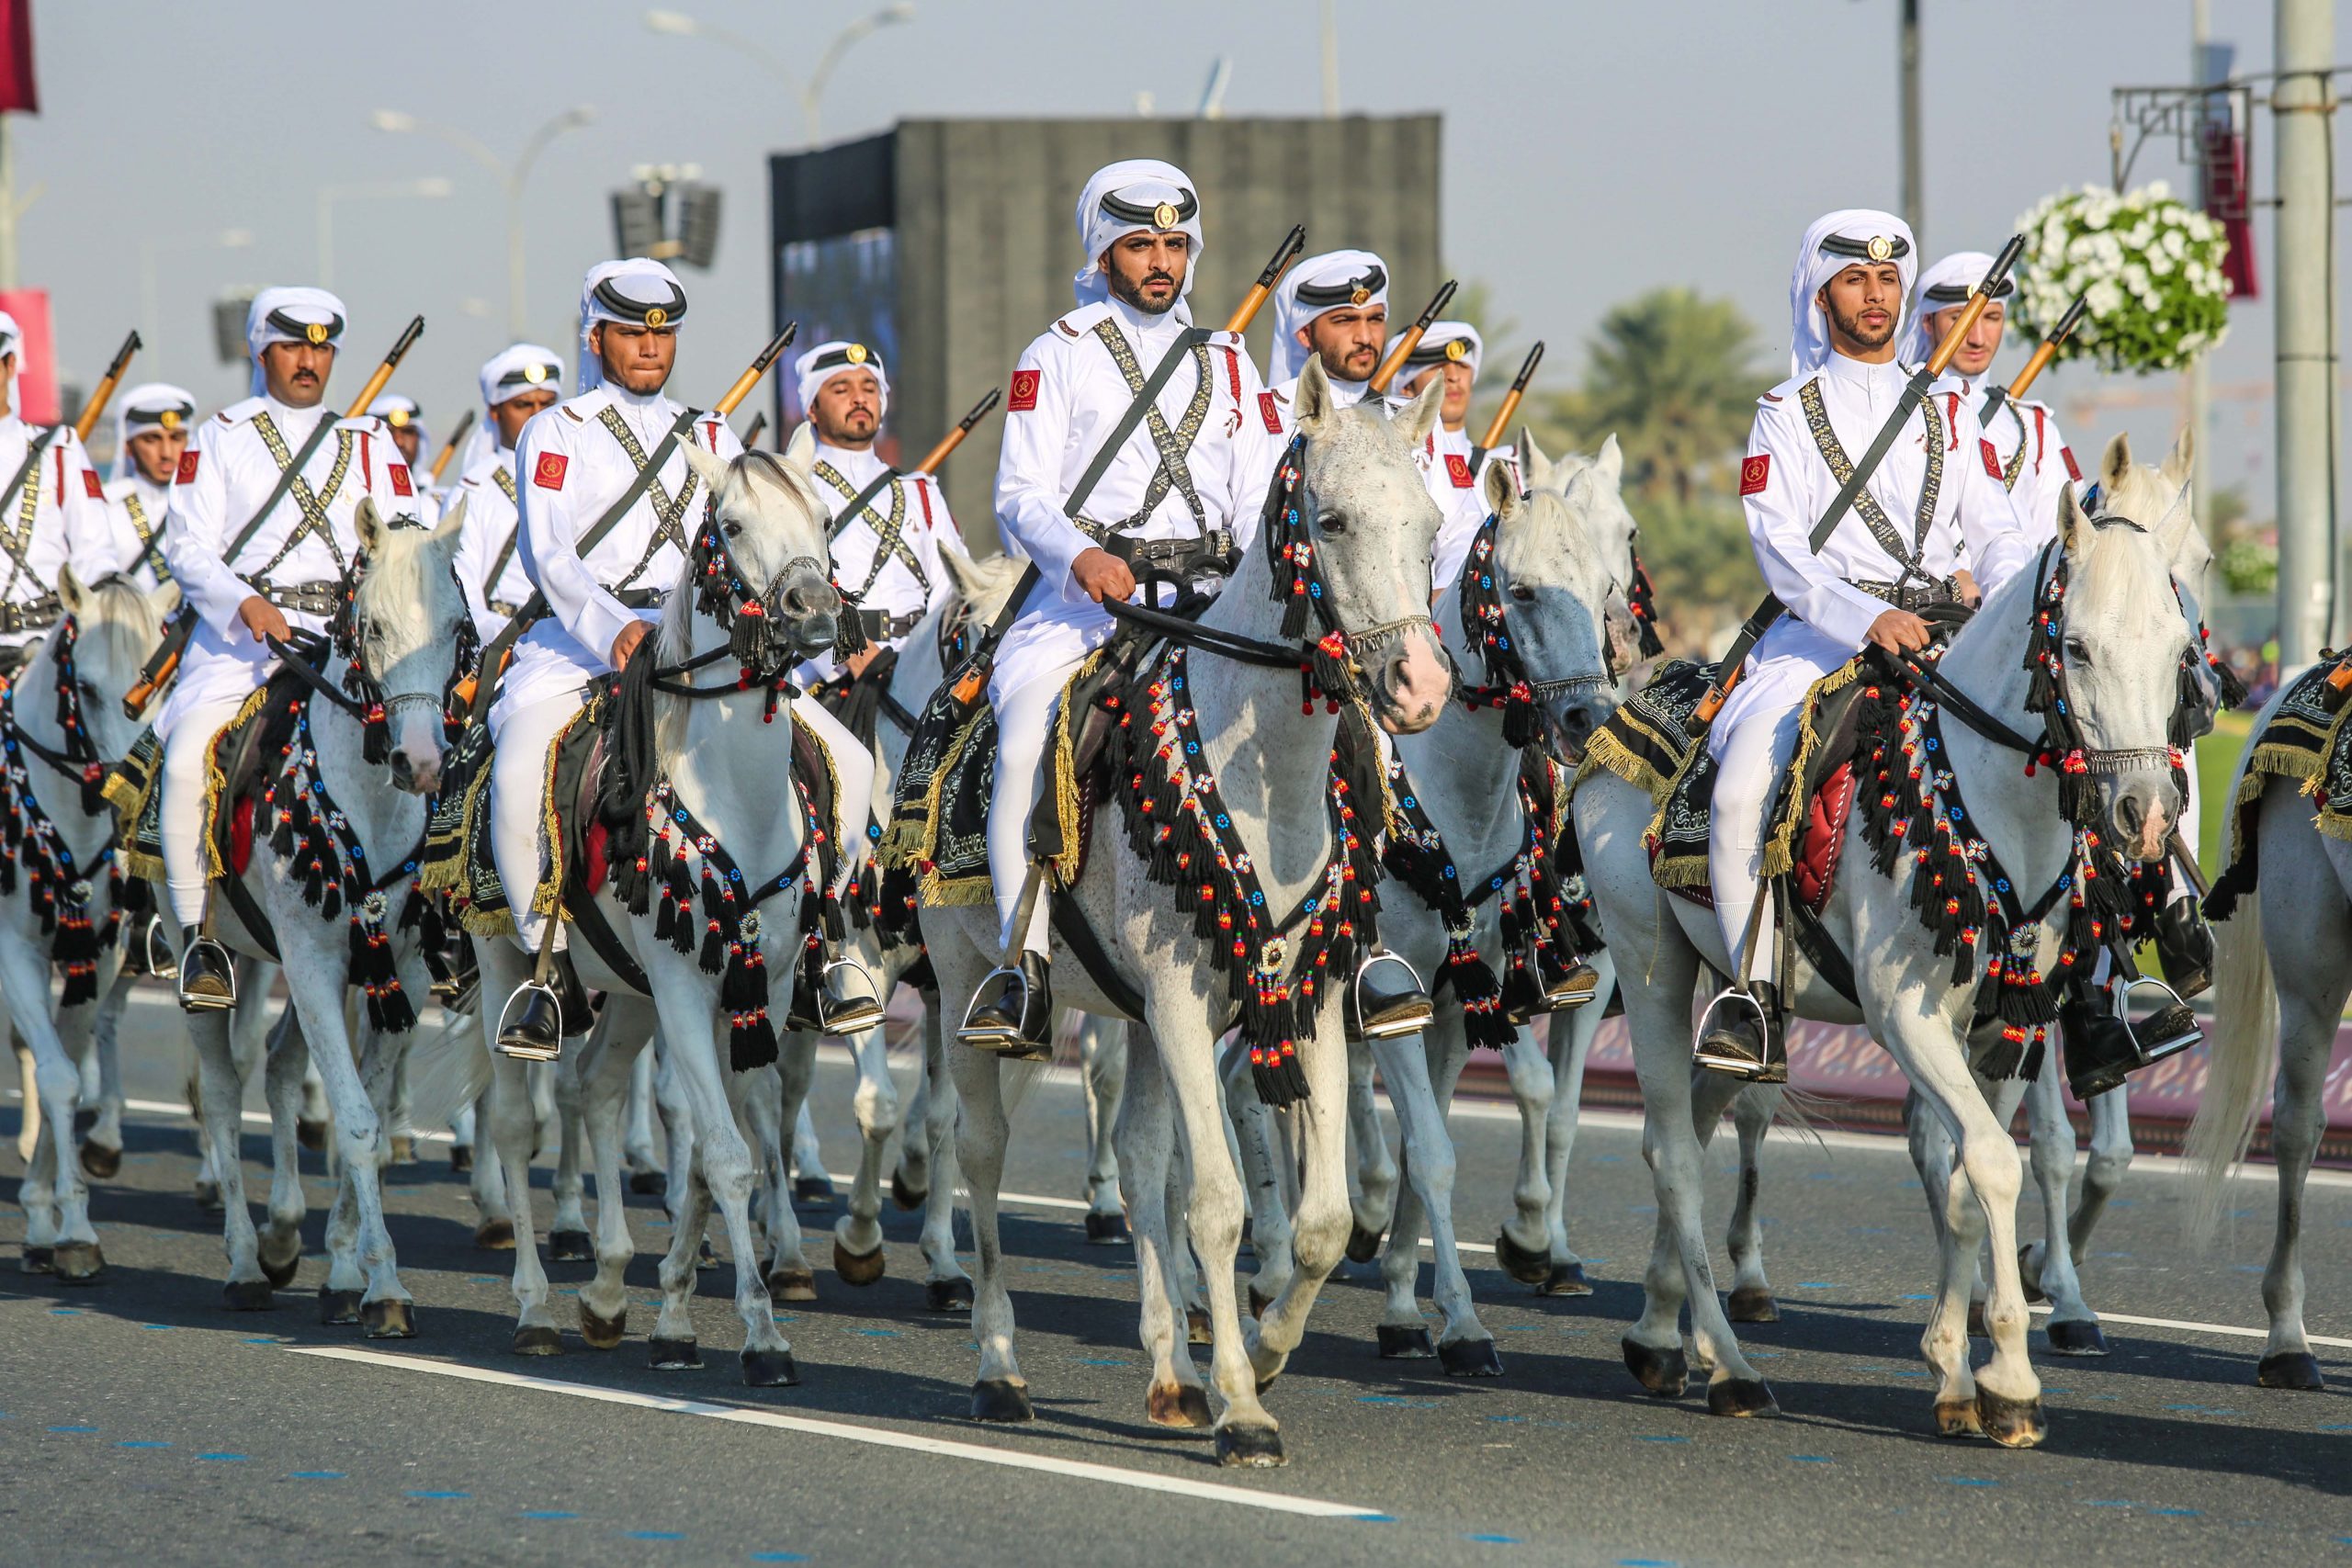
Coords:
535,1030
1012,1013
208,976
1746,1040
2184,947
1385,999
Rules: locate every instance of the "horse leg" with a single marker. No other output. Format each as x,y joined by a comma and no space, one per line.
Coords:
1255,1145
486,1176
982,1131
791,1278
672,1344
2310,999
1751,1294
2048,1266
223,1094
1376,1201
567,1238
857,1234
1572,1037
102,1146
1144,1129
640,1152
910,1177
604,1068
1464,1347
59,1218
945,1287
281,1245
1523,1245
669,1094
811,1182
1405,1071
2103,1172
1320,1238
1103,1057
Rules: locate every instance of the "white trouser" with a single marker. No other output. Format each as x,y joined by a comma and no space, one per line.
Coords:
1025,722
1750,760
186,753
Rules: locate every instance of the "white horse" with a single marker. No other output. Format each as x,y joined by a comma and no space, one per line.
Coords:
405,618
1564,625
59,881
1361,509
2124,640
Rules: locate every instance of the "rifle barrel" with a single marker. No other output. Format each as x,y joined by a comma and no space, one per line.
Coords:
1501,421
1382,378
1268,276
449,450
757,368
383,376
954,438
759,426
104,394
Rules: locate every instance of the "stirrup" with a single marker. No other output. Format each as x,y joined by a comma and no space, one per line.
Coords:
1384,1008
513,1040
1740,1001
2167,1031
847,1001
992,1024
218,987
155,948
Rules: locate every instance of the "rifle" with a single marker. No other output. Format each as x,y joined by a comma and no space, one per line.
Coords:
973,678
954,438
457,439
759,424
493,658
107,384
1914,393
1501,421
164,662
2043,353
1411,339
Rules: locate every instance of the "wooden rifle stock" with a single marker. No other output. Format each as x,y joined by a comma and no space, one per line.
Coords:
449,451
2043,352
759,428
1501,421
105,393
954,438
1268,276
1382,378
754,371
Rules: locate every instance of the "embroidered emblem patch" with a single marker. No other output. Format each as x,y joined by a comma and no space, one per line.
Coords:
2074,470
1991,459
96,491
1270,412
400,485
1024,391
548,472
1753,471
186,474
1457,469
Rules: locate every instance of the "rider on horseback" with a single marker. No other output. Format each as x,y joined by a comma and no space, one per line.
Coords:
516,385
1449,460
1933,522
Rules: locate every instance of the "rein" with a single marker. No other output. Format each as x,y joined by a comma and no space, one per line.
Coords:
1508,685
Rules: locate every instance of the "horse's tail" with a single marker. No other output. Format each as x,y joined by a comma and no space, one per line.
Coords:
2245,1035
448,1070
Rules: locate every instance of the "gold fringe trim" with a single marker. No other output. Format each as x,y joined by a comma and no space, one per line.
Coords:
497,923
1779,846
450,874
1604,751
547,897
216,784
1680,871
933,887
143,867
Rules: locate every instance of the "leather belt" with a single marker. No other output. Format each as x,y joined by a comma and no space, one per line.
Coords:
33,616
303,598
642,598
1208,556
1912,596
882,627
500,607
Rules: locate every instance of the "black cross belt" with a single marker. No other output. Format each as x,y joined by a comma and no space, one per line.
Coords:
302,598
882,627
640,598
31,615
1209,556
1910,597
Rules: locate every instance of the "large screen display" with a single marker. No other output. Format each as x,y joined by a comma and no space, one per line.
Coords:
846,287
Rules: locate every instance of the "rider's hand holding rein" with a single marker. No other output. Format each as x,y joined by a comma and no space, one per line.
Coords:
263,619
626,643
1899,631
1101,575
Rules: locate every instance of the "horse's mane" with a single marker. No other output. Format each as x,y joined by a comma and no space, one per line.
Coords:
119,617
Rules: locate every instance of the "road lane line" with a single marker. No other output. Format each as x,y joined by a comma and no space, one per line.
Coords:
2231,1329
875,1437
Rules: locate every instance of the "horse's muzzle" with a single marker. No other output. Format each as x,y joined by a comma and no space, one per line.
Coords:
810,610
2144,808
1411,681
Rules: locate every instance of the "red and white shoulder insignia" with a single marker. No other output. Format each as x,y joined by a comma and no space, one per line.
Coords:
1753,471
1991,459
1024,391
400,485
1457,469
1269,410
186,474
548,472
92,485
2074,470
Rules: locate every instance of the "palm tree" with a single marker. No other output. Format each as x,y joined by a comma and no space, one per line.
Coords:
1675,375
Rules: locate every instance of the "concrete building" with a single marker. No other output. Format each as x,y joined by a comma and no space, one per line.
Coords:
947,245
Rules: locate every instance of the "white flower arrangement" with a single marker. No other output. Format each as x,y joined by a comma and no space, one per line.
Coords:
2150,267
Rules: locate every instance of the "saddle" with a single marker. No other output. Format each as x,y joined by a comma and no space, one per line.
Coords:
2308,740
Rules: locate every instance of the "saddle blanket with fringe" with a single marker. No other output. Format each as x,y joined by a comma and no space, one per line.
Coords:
135,789
2307,740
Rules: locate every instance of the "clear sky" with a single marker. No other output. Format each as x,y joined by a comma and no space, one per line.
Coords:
1592,150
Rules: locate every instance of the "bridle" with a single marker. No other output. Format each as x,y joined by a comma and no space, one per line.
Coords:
1509,686
360,692
765,654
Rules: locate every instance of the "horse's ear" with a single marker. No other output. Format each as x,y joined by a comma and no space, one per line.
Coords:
2074,528
2115,465
1419,417
1539,466
801,450
368,524
1609,468
709,467
2172,530
166,597
453,523
964,572
1313,404
2181,461
1502,491
69,589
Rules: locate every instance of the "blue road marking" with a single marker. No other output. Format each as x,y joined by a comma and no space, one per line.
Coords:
654,1535
441,1495
73,1428
143,1445
224,1459
317,1475
548,1514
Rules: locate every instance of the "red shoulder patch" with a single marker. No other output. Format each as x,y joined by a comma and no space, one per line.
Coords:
548,472
92,486
1753,471
1024,391
1457,469
1991,459
2074,470
400,485
186,474
1271,412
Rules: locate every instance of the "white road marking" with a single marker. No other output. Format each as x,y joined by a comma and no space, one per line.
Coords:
875,1437
2231,1329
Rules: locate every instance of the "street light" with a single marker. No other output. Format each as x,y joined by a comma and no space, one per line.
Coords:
431,187
511,177
812,92
150,313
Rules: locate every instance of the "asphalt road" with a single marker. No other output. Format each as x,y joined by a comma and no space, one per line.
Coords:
142,1423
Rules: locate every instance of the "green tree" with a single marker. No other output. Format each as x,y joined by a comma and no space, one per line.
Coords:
1675,375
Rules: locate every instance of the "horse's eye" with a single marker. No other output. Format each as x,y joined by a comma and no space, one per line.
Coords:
1523,594
2078,650
731,530
89,691
1332,522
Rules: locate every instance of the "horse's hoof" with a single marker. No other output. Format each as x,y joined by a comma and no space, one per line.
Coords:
601,1332
310,1134
1752,1303
1977,1328
80,1263
1958,1418
2012,1423
1470,1358
649,1183
817,1192
99,1162
1564,1280
1105,1229
280,1275
39,1260
995,1399
2029,1272
495,1235
247,1295
568,1246
856,1268
674,1355
1249,1448
792,1284
1662,1372
208,1199
2076,1339
388,1319
906,1196
338,1306
948,1295
704,1259
1404,1341
1741,1396
1197,1326
1259,1301
1184,1407
2289,1369
769,1369
461,1160
1363,1246
537,1339
1527,1267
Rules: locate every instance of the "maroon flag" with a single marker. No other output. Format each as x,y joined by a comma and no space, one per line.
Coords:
2225,203
36,398
19,93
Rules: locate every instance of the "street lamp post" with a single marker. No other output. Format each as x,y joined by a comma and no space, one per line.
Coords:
429,188
150,271
511,178
810,93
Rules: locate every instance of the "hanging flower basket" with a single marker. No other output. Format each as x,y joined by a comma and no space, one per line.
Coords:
2150,267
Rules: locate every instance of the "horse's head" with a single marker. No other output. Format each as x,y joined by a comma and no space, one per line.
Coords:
2124,640
1564,612
409,629
118,627
771,523
1592,488
2139,490
1371,525
982,585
